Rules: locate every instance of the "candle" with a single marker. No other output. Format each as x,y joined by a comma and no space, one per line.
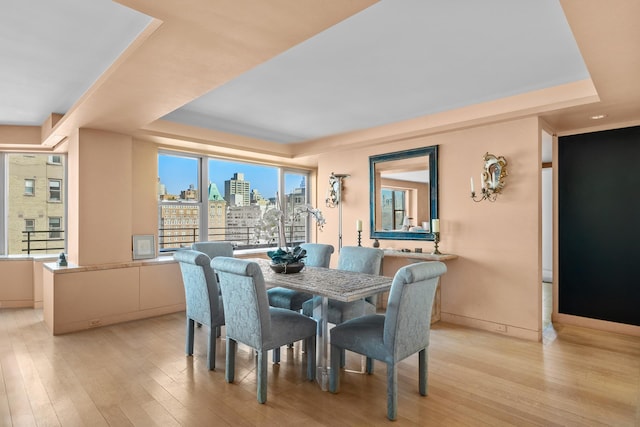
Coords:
473,190
482,182
359,225
435,225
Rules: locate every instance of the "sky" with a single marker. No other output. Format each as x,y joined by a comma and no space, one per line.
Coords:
177,173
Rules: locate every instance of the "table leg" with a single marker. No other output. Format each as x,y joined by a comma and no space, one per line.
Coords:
321,314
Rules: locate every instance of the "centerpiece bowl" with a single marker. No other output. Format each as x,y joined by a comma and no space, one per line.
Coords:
295,267
285,261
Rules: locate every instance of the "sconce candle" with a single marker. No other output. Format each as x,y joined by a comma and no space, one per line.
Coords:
473,189
435,225
359,225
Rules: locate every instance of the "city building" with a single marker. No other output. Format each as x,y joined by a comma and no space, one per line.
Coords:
36,218
217,222
237,191
241,221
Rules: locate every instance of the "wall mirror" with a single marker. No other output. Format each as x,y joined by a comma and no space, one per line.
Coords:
404,194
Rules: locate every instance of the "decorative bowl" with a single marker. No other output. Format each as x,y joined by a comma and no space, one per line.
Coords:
295,267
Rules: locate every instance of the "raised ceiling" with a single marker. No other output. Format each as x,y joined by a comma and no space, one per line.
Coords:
297,71
394,61
53,51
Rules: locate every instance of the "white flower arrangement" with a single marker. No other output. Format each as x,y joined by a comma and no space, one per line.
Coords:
272,225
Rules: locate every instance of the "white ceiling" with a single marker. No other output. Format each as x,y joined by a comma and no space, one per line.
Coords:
394,61
397,60
51,52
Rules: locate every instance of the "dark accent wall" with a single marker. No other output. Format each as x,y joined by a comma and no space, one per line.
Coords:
599,225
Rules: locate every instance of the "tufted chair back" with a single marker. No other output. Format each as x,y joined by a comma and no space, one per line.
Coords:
318,254
408,317
202,297
214,249
360,259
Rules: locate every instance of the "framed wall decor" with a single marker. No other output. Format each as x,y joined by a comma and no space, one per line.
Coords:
144,246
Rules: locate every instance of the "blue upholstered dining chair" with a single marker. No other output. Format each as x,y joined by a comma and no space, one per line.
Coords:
318,255
360,260
203,301
213,249
252,322
401,332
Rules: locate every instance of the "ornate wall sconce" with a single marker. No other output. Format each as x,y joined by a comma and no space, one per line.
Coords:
491,179
334,198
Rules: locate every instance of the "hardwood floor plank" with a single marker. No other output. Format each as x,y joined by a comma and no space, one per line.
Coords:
136,374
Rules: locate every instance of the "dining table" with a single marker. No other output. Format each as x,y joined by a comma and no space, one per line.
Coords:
327,283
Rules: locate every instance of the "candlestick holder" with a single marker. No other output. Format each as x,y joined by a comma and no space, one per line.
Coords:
436,240
359,238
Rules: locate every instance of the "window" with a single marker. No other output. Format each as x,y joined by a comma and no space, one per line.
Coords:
235,196
295,185
25,227
55,191
55,160
393,208
54,227
179,201
29,187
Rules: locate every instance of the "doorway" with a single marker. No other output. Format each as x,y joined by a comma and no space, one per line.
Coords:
547,228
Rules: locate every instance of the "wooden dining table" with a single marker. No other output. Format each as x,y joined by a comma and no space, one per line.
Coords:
326,283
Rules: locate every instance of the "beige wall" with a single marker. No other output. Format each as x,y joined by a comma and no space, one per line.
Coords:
16,285
100,193
496,280
144,197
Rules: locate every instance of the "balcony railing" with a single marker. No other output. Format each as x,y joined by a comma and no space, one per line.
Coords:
47,241
241,237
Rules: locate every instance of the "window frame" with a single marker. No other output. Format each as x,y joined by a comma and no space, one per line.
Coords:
33,187
185,206
52,157
50,191
33,226
203,180
12,220
54,232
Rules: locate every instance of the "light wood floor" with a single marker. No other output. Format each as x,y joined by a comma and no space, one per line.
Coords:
137,374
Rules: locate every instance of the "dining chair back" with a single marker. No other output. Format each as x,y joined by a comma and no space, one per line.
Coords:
202,297
252,322
403,331
317,255
213,249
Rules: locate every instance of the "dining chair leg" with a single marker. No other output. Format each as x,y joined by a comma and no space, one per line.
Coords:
276,355
218,331
392,391
190,331
343,358
422,371
369,365
211,354
262,376
230,365
334,371
311,357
